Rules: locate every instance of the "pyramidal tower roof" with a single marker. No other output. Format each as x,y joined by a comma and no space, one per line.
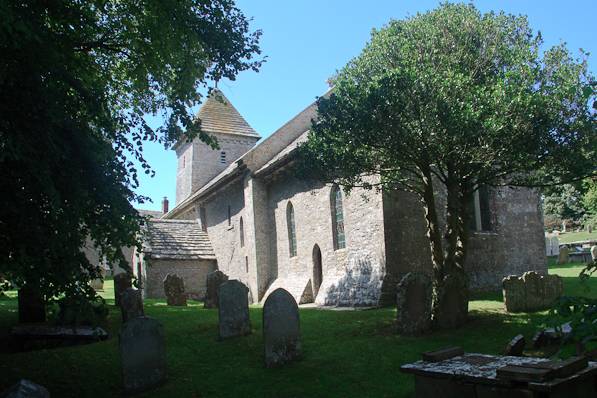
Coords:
218,115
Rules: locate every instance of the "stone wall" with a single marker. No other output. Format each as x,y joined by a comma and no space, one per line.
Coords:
351,276
194,273
514,245
202,163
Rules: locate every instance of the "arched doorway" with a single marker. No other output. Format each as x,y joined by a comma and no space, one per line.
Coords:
317,271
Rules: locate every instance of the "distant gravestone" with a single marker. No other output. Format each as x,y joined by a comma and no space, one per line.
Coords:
413,301
214,280
122,282
174,290
515,347
32,306
26,389
594,253
233,310
131,304
563,258
281,329
142,354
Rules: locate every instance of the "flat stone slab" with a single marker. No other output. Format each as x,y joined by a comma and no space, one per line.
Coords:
42,332
25,389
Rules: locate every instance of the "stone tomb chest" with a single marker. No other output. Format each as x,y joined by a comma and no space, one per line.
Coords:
478,375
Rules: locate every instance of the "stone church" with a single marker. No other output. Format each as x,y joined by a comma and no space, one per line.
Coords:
242,210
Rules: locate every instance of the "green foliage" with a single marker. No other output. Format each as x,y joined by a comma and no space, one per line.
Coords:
76,81
589,199
564,202
449,100
78,311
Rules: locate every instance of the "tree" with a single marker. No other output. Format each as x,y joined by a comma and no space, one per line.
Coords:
563,202
446,102
76,80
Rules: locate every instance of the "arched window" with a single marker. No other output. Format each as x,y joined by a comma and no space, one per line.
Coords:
291,229
242,233
337,218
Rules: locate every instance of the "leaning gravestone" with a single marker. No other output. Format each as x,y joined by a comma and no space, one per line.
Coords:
32,307
142,354
131,304
214,280
26,389
122,282
515,347
233,309
413,300
174,290
281,329
564,257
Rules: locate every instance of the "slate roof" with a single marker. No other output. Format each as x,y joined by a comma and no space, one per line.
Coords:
218,115
177,240
150,213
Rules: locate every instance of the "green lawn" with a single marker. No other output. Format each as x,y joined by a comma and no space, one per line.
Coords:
346,353
577,236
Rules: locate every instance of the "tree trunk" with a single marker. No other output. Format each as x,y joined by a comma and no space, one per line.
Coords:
450,285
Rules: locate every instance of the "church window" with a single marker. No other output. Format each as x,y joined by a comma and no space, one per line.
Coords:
222,157
203,218
337,218
242,232
247,264
229,216
479,213
291,229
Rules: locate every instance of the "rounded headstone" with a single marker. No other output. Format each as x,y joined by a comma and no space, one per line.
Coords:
122,281
515,347
174,290
233,309
142,354
214,280
594,253
413,301
281,328
26,389
131,304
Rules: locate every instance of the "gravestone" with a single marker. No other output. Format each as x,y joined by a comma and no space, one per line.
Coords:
453,302
98,283
122,282
413,301
32,306
516,346
26,389
531,291
281,329
131,304
594,253
174,290
233,309
214,280
563,258
142,354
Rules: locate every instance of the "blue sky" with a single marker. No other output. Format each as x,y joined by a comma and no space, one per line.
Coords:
307,41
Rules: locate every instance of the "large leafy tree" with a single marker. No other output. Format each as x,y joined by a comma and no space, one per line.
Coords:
444,103
76,80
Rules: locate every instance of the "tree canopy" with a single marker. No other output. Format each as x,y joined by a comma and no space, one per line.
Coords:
76,80
448,101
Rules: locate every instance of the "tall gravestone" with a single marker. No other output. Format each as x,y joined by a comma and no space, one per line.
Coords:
281,329
131,304
233,310
142,354
453,302
514,292
32,306
122,281
214,280
174,290
413,301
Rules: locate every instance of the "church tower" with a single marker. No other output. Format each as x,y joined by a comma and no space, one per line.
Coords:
198,163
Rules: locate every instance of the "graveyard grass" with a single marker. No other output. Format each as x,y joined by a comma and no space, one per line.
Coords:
569,237
345,353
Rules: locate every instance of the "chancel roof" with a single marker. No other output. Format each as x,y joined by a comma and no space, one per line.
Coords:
177,240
